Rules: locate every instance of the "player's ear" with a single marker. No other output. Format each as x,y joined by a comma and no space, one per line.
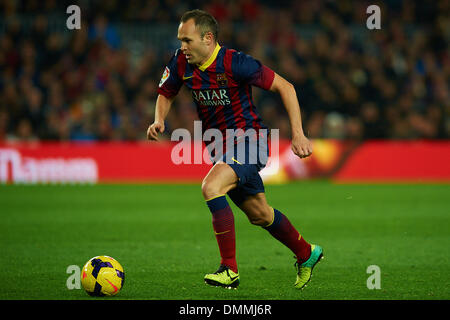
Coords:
208,38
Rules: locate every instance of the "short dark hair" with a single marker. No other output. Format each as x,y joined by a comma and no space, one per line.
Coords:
204,21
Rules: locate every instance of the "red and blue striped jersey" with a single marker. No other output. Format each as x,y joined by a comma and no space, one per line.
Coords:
221,87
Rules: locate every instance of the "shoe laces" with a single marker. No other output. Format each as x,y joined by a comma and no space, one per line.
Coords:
221,269
297,264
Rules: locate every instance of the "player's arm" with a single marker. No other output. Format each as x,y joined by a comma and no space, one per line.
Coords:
301,146
162,109
168,88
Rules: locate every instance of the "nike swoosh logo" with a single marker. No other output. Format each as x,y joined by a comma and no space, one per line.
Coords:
185,78
232,158
217,233
115,288
232,278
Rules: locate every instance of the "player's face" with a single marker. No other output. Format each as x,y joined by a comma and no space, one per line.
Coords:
192,45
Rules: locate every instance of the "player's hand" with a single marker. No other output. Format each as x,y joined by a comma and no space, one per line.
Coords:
154,129
301,146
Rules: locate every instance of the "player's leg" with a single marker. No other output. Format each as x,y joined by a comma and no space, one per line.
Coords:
260,213
219,180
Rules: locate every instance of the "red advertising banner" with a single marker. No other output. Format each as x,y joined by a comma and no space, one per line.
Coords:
148,162
380,161
94,162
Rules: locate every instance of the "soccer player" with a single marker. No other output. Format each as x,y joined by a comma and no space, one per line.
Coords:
220,80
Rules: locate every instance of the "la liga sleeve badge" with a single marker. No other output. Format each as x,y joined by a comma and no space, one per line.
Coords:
165,76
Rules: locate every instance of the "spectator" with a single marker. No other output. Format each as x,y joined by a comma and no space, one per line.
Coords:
90,84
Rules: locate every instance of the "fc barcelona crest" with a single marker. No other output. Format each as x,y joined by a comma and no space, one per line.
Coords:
222,80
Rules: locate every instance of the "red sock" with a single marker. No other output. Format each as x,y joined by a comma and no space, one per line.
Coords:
282,230
223,224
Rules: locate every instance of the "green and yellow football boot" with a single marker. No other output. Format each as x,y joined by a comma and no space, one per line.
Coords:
304,270
223,277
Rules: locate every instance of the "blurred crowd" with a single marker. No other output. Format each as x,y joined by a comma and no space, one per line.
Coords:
352,83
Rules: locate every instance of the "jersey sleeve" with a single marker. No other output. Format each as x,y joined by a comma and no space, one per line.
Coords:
170,82
248,69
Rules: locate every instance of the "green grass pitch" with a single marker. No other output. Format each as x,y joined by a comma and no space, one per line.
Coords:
162,235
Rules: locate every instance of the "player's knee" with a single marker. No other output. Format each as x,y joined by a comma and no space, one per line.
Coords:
210,189
256,220
261,217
